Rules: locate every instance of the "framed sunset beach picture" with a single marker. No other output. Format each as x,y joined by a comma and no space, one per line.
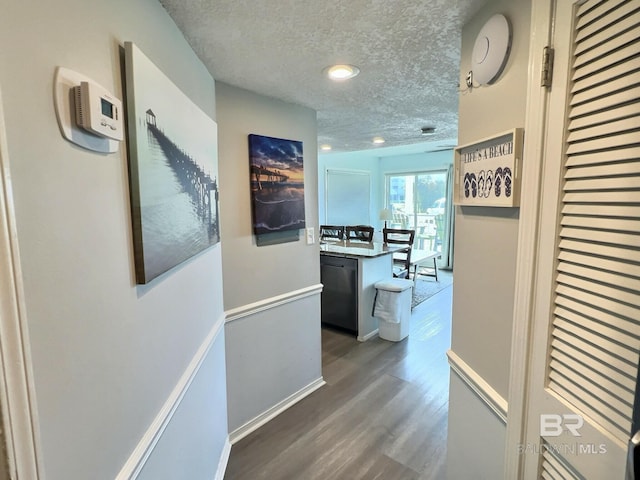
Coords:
277,184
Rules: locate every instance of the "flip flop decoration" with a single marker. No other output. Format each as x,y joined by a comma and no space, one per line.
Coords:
498,181
481,183
507,181
467,184
488,183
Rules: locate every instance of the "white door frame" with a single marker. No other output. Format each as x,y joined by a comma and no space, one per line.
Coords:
528,237
17,396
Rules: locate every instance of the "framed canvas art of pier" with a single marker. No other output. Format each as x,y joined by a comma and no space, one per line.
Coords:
277,184
173,169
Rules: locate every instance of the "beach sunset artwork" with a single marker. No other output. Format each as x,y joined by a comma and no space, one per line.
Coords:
277,184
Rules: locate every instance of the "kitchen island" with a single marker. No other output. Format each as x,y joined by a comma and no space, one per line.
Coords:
348,271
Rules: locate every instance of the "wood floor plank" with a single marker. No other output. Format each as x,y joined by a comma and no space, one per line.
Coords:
381,415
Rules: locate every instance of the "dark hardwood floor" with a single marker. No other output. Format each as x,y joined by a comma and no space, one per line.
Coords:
382,414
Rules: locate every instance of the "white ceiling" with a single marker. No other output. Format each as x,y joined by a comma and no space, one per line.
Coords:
408,53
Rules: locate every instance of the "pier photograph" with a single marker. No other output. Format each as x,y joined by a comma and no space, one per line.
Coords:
173,168
277,184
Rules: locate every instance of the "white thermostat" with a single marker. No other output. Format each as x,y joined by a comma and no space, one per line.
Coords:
98,111
88,114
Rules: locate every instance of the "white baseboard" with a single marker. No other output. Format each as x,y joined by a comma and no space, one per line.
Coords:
368,336
479,385
224,460
252,425
149,440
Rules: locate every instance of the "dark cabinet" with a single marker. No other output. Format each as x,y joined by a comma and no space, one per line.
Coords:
339,301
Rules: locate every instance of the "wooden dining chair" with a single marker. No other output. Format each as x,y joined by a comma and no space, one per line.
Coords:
363,233
401,258
331,231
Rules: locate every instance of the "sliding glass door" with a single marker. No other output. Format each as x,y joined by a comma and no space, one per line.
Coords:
421,201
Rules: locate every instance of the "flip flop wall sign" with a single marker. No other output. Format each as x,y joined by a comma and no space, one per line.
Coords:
487,171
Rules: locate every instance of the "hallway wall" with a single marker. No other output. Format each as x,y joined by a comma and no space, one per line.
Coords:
272,292
113,363
485,247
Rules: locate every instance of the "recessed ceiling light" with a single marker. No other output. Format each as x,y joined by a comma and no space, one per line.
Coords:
341,72
378,140
325,147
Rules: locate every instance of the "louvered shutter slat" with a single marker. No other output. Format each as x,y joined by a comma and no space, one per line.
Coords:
605,63
623,225
626,69
552,469
603,197
605,359
604,143
613,279
597,92
588,14
619,391
596,326
609,48
589,405
569,354
631,312
614,127
596,236
606,397
629,154
627,17
604,170
593,286
607,116
617,211
621,183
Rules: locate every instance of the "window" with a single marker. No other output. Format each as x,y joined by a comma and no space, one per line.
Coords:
419,202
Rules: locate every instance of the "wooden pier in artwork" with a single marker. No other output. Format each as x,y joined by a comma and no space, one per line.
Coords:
197,183
263,176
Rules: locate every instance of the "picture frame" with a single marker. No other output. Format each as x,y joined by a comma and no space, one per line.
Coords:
173,170
277,188
487,172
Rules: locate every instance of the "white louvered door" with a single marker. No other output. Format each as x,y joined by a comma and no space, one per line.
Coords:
587,303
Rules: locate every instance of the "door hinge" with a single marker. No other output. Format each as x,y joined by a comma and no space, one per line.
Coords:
547,67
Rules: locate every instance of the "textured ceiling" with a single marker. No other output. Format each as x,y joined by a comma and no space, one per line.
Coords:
408,53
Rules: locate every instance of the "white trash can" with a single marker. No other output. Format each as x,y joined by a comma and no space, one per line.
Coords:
392,308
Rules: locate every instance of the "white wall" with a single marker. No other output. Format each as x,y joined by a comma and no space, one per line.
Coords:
272,293
476,436
357,162
378,166
486,239
107,354
416,162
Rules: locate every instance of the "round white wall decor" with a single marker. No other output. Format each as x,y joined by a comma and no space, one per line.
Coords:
491,50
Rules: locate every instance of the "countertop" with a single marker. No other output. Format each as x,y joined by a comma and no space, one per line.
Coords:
357,249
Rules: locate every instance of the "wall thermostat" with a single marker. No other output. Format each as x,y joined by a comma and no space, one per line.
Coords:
81,108
98,111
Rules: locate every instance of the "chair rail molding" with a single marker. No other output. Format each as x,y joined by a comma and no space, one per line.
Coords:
149,440
272,302
479,385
